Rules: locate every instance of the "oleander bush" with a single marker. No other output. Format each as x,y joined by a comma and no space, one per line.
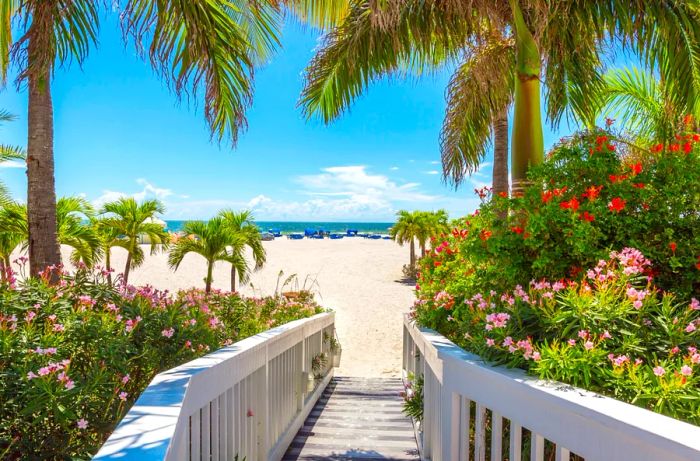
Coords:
590,277
75,356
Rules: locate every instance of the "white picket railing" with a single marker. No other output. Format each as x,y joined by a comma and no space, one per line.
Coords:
464,397
247,400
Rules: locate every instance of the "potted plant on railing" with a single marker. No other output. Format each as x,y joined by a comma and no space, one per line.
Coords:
413,399
318,364
334,347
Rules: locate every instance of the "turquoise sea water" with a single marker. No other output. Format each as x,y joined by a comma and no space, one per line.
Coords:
287,227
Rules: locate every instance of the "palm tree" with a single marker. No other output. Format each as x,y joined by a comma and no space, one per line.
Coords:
208,48
210,239
245,234
432,225
133,220
109,237
407,228
642,104
71,214
558,42
8,153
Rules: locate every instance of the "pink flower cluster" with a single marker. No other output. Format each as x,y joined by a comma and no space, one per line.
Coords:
632,261
54,367
636,296
496,320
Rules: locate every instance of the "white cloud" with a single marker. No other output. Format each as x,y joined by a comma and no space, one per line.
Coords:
434,162
432,172
13,164
394,168
149,191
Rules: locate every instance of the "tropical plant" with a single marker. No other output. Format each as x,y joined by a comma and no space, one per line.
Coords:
432,224
8,153
245,234
642,104
406,229
71,214
211,240
207,48
109,237
379,38
132,220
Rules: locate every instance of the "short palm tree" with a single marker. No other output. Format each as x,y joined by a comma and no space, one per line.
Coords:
433,224
556,42
8,153
211,240
208,48
132,220
408,227
72,212
109,237
245,234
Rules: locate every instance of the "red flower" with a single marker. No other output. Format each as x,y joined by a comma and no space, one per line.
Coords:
547,196
645,206
673,247
592,192
437,263
639,185
636,168
485,235
503,194
613,178
517,229
601,139
611,147
675,147
586,216
657,148
687,148
617,204
696,137
560,192
570,204
688,119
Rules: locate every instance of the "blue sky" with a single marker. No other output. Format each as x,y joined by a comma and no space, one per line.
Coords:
119,131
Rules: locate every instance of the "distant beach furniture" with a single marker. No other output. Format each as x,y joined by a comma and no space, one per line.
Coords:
351,232
316,236
295,236
374,236
309,232
267,236
386,237
336,236
275,232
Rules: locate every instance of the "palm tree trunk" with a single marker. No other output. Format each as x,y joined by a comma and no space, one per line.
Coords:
208,280
528,139
127,268
3,273
108,264
413,253
233,278
500,154
44,249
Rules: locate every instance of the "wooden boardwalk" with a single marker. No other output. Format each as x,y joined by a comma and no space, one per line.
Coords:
356,419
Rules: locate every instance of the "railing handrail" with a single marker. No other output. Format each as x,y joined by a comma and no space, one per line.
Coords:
583,421
159,414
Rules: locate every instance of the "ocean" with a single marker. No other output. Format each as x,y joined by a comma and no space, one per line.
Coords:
287,227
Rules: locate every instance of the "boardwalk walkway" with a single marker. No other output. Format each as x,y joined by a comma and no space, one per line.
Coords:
356,419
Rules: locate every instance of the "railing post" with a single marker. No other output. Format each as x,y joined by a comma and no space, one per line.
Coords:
265,451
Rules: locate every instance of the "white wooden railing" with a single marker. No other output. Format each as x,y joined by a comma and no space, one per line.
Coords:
467,402
247,400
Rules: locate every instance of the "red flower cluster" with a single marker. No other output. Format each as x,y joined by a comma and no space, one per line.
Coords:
592,193
617,204
572,204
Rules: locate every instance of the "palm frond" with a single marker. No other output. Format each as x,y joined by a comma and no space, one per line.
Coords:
8,8
479,91
320,14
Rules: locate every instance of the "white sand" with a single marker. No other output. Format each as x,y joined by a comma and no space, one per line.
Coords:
359,279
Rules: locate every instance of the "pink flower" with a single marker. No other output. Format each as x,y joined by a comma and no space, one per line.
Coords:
606,335
123,395
31,375
43,371
572,342
58,327
686,370
690,328
126,378
694,304
168,333
675,350
508,341
536,356
82,424
490,342
30,316
69,384
695,358
588,345
659,371
583,334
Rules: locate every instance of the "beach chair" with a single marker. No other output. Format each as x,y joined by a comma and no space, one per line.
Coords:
351,232
275,232
295,236
336,236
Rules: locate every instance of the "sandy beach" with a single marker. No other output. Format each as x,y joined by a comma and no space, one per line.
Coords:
359,279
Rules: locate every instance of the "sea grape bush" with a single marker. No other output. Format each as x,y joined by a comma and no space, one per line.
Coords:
590,277
74,357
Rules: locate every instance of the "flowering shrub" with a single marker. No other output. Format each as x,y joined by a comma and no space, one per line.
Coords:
530,281
74,357
612,332
585,200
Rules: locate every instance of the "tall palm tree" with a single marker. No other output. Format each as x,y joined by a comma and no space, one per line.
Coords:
133,220
558,42
13,232
198,47
210,239
408,227
245,234
8,153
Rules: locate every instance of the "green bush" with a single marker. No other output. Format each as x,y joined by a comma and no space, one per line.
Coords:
74,357
586,201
